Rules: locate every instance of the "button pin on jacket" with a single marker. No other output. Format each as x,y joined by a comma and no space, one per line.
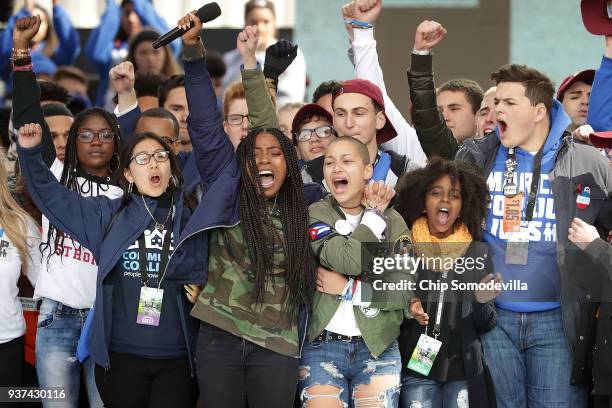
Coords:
584,198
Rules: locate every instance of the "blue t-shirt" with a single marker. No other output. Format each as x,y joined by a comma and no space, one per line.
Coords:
166,340
541,274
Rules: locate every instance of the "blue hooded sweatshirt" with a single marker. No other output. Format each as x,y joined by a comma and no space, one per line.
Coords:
600,104
541,274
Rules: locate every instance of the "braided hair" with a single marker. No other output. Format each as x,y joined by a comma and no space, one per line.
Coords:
72,168
256,223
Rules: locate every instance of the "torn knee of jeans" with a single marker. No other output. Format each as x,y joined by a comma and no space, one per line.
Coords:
331,369
373,365
303,372
416,404
377,392
321,391
462,399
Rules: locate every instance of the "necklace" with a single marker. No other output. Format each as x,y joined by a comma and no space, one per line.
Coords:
159,226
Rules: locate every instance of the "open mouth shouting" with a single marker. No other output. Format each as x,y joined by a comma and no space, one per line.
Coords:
340,184
266,178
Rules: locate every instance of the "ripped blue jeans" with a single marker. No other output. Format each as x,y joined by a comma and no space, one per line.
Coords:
350,374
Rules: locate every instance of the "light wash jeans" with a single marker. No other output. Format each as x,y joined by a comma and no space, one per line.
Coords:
59,329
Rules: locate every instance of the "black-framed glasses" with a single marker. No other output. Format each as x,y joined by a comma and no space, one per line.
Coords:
144,158
236,119
104,136
322,132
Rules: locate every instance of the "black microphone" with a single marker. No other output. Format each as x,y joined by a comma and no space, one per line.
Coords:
206,13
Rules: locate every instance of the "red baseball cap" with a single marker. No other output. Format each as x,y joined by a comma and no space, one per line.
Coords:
586,76
367,88
597,16
601,139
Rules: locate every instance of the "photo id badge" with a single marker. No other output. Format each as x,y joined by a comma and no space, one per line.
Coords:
149,306
517,247
424,354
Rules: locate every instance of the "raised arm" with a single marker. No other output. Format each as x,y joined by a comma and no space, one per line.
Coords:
213,150
127,111
84,218
6,44
435,137
26,102
262,113
600,104
367,66
69,46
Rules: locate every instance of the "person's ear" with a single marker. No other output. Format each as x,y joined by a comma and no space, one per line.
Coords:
381,120
128,175
541,112
368,171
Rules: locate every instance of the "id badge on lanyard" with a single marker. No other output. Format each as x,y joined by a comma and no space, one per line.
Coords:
427,348
517,228
151,298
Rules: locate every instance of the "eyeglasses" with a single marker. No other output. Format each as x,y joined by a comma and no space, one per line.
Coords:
144,158
236,119
104,136
322,132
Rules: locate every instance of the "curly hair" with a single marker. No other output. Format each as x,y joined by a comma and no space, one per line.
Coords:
475,197
300,265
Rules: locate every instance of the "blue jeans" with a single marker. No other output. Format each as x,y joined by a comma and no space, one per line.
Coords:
352,375
530,361
59,329
424,393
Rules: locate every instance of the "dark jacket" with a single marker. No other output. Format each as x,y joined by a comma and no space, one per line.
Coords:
575,164
476,319
602,349
435,137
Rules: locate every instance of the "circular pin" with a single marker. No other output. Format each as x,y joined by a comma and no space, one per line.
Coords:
343,227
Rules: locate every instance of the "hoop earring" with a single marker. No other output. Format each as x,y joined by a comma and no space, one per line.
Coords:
130,188
118,164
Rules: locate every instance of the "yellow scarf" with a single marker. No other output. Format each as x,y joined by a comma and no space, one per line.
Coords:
440,253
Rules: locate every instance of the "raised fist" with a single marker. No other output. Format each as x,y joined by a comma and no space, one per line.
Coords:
428,35
122,77
30,135
25,29
278,58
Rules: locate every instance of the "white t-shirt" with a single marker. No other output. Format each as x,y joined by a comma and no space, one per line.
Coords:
71,278
343,321
12,323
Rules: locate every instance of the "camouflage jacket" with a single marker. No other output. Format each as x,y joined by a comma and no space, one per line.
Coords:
380,321
227,300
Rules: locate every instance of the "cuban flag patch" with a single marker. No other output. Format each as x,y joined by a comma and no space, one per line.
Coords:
319,230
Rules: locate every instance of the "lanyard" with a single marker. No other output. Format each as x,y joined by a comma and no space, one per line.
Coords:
510,185
142,256
382,166
438,322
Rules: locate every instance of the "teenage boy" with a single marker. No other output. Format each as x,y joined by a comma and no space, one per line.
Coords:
359,112
574,93
539,180
441,127
312,130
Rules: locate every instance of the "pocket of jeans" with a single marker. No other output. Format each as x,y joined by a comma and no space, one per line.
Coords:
313,344
45,321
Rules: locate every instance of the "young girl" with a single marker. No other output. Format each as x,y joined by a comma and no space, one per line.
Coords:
259,266
19,254
141,336
352,355
67,278
444,204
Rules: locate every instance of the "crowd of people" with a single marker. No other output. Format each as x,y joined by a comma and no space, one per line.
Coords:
199,236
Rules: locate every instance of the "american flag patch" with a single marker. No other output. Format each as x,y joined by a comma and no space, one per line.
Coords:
319,230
